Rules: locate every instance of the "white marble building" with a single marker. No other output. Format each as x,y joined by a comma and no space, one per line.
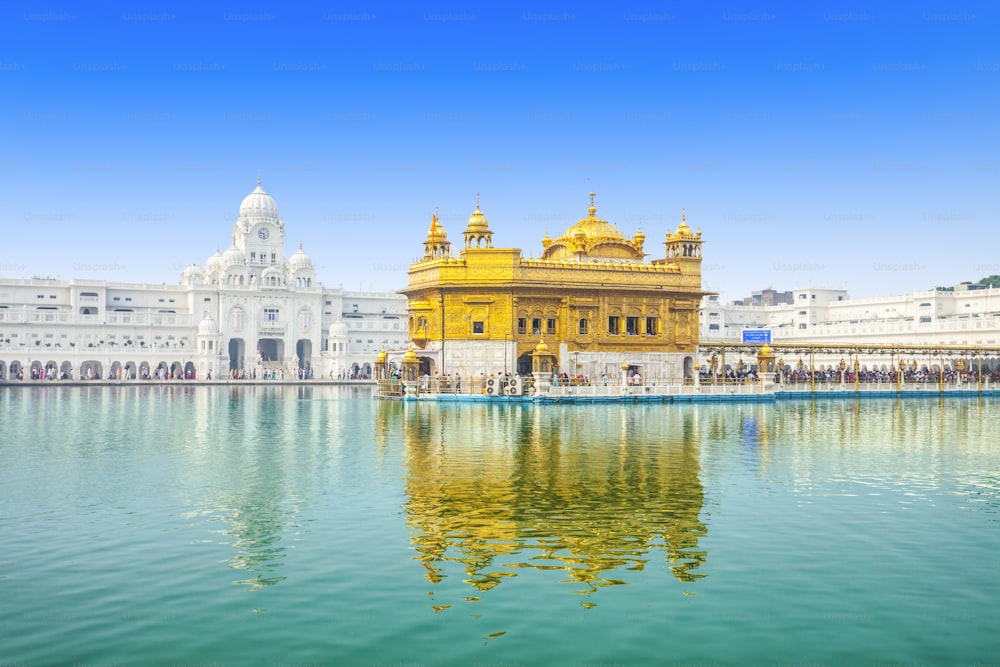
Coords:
959,316
248,309
955,317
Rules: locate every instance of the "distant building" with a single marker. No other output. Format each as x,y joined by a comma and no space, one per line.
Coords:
957,316
767,297
590,296
249,308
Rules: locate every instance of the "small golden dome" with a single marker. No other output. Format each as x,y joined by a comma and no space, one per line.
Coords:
546,240
541,348
624,365
436,231
765,350
380,359
683,231
411,356
477,221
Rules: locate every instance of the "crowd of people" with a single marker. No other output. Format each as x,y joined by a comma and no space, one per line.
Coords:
874,376
161,374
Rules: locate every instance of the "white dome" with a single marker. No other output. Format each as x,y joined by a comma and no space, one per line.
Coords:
208,327
214,262
338,329
258,206
233,256
192,274
299,260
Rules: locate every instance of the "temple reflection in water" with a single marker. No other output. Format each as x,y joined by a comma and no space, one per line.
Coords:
501,489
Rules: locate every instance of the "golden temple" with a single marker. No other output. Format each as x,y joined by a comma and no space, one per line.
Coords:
591,296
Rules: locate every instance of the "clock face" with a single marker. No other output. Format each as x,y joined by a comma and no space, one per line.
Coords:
263,233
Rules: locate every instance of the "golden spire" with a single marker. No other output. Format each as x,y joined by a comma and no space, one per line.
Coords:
592,210
258,177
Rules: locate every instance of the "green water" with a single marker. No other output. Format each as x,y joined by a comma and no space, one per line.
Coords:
279,526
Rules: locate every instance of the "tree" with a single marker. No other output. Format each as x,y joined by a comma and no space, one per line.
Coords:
989,281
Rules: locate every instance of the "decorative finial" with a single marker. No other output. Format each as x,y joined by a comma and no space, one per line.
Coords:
683,217
258,178
592,210
300,245
477,201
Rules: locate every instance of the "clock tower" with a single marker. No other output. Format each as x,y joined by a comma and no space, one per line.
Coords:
259,233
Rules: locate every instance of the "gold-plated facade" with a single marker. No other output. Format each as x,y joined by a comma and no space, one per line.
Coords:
590,292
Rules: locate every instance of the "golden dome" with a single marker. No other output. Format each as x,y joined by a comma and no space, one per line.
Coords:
593,227
380,359
592,237
541,348
478,222
436,231
410,356
683,231
765,350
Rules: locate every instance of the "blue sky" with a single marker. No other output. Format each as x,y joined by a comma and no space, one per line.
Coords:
831,144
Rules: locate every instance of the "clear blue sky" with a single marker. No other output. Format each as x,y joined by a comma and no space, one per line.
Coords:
833,144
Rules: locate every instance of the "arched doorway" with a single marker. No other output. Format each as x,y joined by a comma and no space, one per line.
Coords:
116,371
303,350
190,373
237,354
524,364
91,370
130,371
143,371
176,370
3,370
688,368
271,350
15,369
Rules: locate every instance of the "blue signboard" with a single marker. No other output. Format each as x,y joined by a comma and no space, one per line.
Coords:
756,336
